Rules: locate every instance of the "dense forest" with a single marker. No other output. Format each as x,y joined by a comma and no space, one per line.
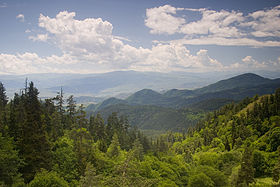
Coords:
53,143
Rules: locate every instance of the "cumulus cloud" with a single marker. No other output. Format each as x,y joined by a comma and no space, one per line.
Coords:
217,27
88,46
20,17
219,23
162,20
265,22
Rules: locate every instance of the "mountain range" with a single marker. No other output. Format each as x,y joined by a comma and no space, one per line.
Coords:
93,88
177,109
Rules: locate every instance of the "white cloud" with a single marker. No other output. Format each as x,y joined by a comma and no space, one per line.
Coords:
173,57
221,41
88,46
218,27
249,63
20,17
216,23
81,36
265,22
162,20
39,37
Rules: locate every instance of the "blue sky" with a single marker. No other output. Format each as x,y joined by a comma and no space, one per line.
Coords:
91,36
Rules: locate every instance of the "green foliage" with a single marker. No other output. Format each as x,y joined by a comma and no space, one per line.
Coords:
48,179
90,179
246,172
276,169
114,148
65,161
9,161
231,146
260,164
200,180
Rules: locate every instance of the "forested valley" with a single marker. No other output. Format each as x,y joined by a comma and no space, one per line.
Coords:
51,142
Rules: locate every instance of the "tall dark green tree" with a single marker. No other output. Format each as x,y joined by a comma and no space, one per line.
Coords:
246,172
71,111
3,96
3,103
34,145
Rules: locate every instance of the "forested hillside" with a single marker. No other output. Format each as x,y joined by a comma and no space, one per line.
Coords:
176,110
52,143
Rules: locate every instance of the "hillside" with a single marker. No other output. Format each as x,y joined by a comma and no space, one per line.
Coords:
202,100
44,142
237,145
149,117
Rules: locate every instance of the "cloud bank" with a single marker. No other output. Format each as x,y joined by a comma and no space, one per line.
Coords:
88,45
225,28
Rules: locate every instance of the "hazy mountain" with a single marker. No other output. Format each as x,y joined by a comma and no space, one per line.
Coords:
244,80
147,107
118,84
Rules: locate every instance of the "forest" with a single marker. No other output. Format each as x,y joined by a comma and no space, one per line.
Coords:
52,142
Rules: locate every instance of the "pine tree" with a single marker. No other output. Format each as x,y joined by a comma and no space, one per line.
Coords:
71,111
3,96
97,127
35,148
81,117
3,103
246,172
137,150
114,148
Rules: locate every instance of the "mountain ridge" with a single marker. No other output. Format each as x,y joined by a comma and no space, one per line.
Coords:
245,85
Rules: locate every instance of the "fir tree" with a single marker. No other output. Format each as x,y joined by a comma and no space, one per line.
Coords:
246,172
35,148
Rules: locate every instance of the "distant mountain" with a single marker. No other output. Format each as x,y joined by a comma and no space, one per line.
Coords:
152,117
244,80
179,93
145,106
118,84
127,82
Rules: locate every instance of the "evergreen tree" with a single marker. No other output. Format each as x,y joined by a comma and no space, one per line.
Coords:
82,122
3,97
71,111
137,150
3,103
34,146
246,172
114,148
97,127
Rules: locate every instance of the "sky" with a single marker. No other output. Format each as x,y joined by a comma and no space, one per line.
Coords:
96,36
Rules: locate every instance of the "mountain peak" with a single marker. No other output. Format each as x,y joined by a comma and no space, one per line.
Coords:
250,76
243,80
